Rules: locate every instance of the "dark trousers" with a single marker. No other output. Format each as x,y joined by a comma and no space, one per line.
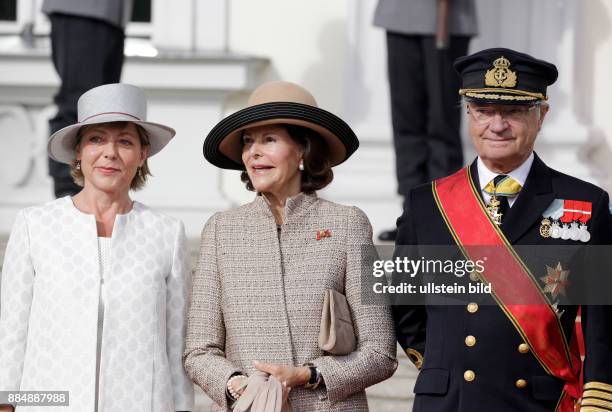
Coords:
86,53
425,107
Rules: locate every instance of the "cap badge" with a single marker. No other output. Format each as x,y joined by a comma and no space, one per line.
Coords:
500,75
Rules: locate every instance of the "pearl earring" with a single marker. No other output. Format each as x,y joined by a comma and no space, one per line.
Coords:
301,166
77,166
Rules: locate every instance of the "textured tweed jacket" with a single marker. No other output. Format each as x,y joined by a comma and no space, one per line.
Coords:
258,295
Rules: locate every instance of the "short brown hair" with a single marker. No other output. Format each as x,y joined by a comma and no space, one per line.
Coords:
139,179
318,171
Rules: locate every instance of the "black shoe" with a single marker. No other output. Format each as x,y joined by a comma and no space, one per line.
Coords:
388,235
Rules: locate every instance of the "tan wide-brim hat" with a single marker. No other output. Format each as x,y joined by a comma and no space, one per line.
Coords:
116,102
278,102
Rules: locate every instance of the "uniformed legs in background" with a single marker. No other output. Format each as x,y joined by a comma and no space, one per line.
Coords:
86,53
425,109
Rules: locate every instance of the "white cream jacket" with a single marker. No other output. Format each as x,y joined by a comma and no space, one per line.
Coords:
49,309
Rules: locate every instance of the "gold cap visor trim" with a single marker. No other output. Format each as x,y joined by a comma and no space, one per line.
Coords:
509,94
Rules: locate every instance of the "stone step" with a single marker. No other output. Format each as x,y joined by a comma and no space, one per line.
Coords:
389,405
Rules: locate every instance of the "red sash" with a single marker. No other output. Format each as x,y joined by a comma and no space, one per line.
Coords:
513,286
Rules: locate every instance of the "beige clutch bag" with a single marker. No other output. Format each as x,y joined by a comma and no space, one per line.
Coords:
337,335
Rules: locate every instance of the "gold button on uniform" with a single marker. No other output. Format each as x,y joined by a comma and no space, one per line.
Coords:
521,383
469,375
472,307
474,276
523,348
470,340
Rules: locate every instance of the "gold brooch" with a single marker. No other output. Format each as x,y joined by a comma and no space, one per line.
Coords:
323,233
500,75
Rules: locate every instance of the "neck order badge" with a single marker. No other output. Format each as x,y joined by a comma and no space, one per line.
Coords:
500,189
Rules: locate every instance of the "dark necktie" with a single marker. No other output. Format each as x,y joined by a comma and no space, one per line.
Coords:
504,205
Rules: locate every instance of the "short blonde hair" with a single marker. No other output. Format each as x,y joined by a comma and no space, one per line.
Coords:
139,179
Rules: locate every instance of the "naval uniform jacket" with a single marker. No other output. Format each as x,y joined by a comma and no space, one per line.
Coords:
49,309
439,332
258,295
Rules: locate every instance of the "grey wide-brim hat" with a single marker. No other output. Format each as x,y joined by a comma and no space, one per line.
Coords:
116,102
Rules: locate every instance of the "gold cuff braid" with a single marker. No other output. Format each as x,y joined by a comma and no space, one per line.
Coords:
599,386
592,393
597,402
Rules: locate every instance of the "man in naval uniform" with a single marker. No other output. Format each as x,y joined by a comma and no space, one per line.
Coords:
507,356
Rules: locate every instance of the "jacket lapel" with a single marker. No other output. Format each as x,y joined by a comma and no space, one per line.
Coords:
534,198
475,177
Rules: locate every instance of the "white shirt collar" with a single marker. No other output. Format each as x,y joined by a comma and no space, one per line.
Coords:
519,174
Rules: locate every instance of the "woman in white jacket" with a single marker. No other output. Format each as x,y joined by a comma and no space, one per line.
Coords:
94,287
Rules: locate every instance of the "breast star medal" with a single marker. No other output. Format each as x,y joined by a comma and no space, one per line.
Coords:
555,281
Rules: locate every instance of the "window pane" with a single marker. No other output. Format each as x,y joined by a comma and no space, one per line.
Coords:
8,10
142,11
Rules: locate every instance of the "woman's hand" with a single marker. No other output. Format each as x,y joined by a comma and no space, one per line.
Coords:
291,376
238,384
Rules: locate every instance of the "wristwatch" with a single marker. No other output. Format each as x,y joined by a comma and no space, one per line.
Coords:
315,377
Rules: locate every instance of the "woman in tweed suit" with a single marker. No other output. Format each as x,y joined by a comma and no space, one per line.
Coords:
264,267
